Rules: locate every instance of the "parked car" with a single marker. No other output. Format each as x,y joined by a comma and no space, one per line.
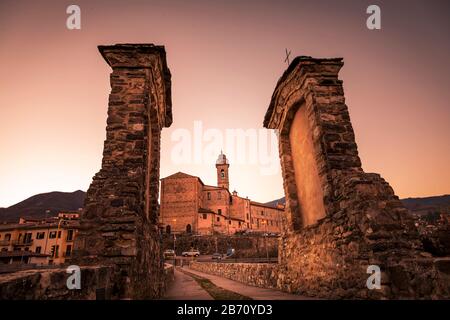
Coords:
230,252
191,253
217,256
169,254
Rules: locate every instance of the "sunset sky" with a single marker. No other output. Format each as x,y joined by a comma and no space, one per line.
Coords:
225,58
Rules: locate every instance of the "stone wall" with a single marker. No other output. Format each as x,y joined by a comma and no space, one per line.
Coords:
264,275
118,226
96,283
431,280
436,240
364,223
169,275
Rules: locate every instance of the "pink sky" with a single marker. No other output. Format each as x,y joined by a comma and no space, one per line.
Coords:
225,58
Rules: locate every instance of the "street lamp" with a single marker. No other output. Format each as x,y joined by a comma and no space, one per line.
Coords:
174,247
264,222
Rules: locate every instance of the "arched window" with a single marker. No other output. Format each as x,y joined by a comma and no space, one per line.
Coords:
222,173
168,229
188,228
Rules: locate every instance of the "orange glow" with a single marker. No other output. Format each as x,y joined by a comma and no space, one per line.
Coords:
225,58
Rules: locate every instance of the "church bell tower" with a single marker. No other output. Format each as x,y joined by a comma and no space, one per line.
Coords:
222,166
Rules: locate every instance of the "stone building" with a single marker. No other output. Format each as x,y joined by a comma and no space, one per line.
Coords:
190,206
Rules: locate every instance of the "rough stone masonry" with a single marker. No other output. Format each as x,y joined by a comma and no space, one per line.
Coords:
340,219
119,223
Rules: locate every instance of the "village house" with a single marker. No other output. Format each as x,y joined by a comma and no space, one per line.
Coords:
40,242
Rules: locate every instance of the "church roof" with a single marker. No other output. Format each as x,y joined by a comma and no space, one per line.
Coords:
181,175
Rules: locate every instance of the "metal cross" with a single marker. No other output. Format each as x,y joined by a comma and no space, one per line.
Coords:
287,56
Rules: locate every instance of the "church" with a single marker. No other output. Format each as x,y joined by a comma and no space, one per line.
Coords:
189,206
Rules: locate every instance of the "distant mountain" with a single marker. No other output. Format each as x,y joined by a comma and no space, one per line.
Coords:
36,206
427,205
274,202
419,206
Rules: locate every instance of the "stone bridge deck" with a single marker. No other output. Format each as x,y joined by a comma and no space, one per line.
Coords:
185,288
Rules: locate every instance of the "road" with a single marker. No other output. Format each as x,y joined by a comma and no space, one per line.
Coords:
184,287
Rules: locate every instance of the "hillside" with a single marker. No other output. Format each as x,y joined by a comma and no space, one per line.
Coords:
428,204
36,206
419,206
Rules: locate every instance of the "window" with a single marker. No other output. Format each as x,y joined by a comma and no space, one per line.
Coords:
168,229
205,216
54,251
248,225
222,173
188,228
59,234
208,195
52,235
68,250
69,235
219,211
27,238
229,221
218,219
247,216
40,235
262,212
38,249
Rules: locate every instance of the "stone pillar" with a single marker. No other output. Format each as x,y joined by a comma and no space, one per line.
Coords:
119,222
339,219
